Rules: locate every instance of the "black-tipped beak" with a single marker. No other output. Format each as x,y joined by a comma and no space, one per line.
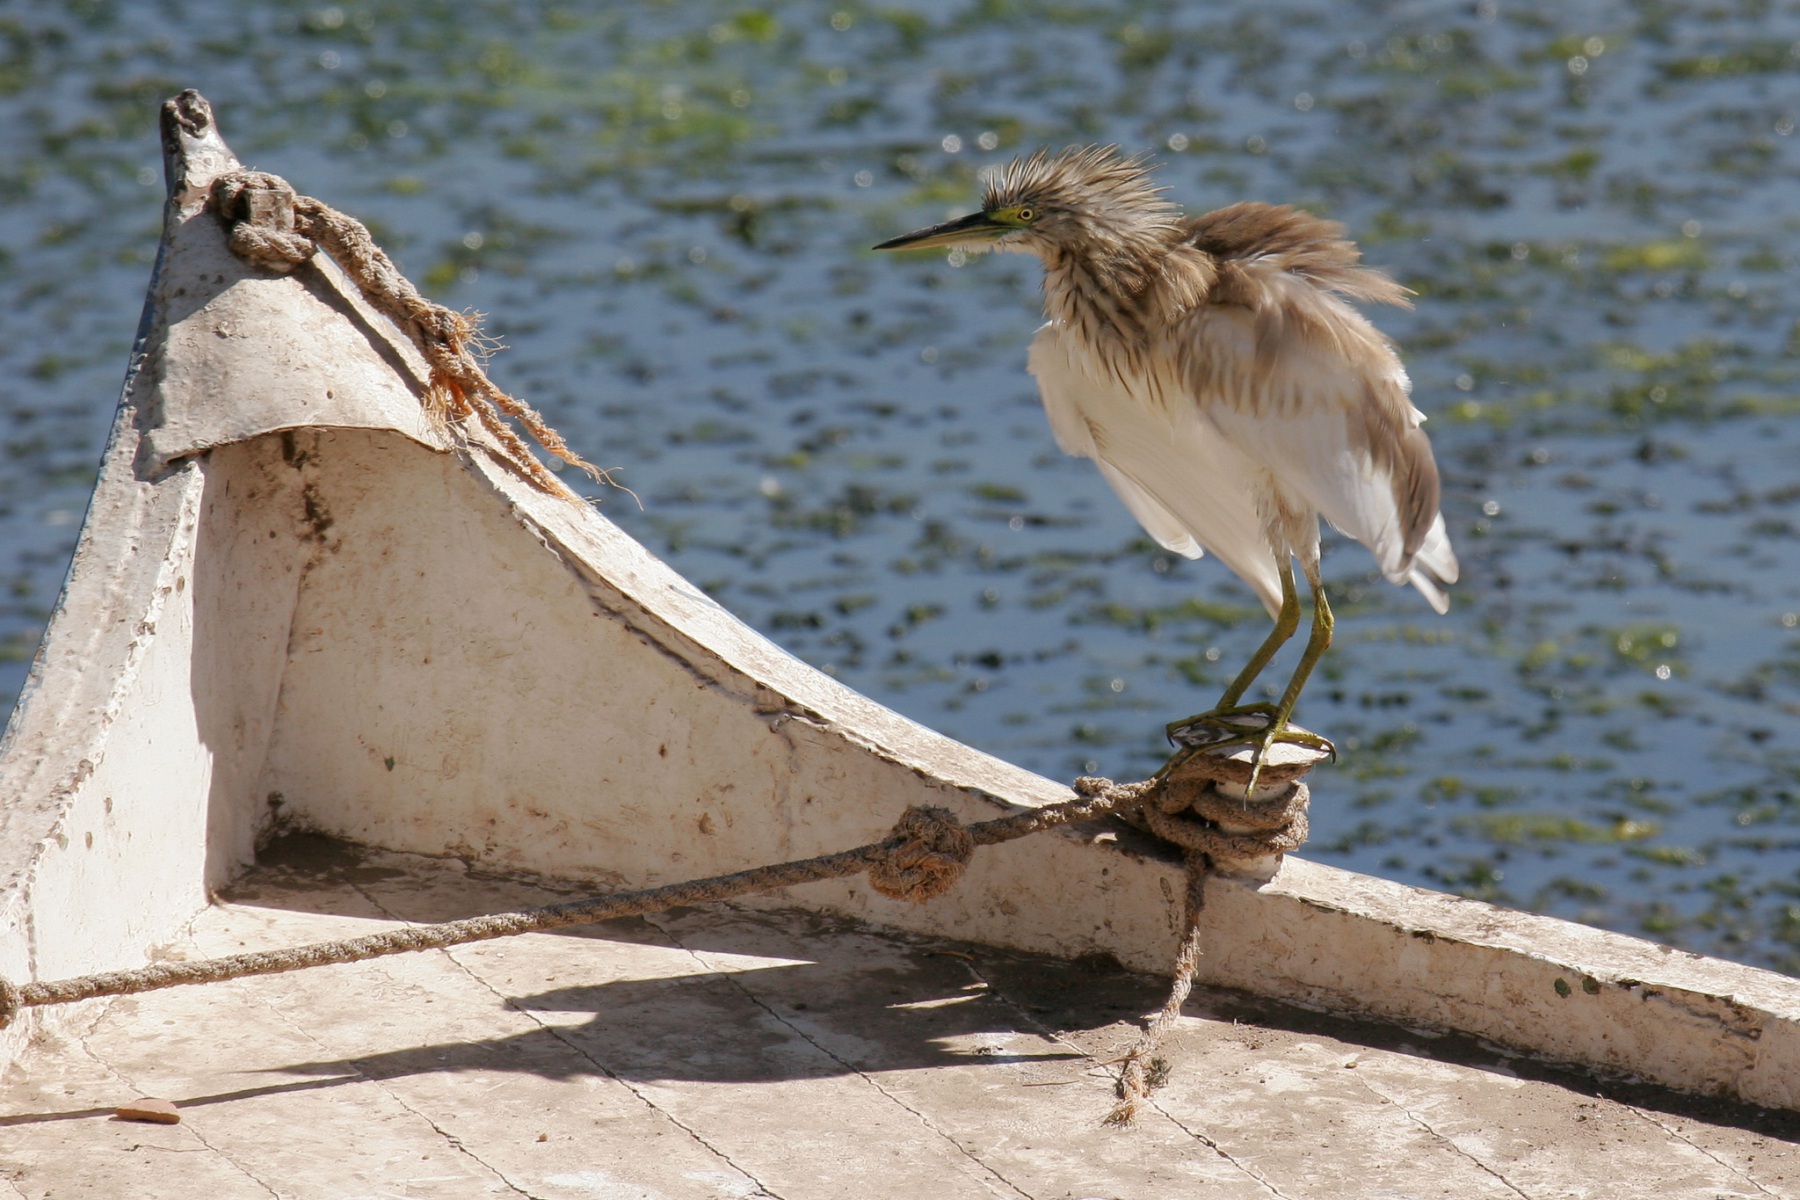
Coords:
976,227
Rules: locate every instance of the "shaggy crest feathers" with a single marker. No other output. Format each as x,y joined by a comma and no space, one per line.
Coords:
1084,180
1107,236
1098,216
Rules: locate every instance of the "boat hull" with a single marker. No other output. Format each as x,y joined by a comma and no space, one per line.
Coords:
298,604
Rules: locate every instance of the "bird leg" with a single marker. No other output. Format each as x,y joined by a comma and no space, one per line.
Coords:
1317,643
1214,727
1225,725
1286,622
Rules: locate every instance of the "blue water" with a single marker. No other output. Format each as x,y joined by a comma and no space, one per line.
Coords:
665,212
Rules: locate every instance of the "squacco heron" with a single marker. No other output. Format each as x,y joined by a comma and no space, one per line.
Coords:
1216,372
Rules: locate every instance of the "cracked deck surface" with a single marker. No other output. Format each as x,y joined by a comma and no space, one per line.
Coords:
748,1052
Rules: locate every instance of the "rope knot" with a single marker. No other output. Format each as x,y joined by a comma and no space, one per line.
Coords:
260,210
10,1001
1233,832
923,857
1200,805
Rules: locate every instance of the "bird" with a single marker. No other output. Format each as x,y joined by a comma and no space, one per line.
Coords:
1217,371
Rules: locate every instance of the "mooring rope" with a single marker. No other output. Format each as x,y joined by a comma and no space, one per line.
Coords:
270,224
923,857
1143,1069
1201,807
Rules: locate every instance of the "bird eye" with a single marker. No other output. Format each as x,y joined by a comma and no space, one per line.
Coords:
1027,214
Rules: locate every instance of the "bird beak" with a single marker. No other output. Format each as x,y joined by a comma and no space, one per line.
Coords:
976,227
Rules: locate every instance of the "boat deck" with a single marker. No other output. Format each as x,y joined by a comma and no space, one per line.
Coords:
740,1052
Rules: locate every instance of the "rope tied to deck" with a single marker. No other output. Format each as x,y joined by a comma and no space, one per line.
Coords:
270,224
1200,803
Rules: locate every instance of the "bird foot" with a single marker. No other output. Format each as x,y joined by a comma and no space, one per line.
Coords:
1260,725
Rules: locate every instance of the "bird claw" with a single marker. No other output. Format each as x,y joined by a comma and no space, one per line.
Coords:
1221,726
1260,725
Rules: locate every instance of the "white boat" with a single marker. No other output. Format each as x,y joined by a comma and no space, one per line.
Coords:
299,607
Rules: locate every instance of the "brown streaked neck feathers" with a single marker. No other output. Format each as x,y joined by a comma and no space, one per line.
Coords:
1118,301
1115,269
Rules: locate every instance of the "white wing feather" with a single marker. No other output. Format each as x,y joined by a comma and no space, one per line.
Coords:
1184,482
1434,565
1295,423
1157,521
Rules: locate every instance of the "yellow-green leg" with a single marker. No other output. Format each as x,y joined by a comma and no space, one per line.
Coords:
1214,728
1286,622
1317,643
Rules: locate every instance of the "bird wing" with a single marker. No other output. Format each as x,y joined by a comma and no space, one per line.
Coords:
1062,389
1187,486
1307,389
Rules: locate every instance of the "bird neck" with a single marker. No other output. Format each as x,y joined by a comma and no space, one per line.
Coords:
1120,294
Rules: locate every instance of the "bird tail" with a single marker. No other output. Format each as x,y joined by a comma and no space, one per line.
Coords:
1433,567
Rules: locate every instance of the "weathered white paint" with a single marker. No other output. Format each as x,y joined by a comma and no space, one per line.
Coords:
315,615
242,352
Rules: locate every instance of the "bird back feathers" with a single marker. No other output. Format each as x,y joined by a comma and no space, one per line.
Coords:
1294,241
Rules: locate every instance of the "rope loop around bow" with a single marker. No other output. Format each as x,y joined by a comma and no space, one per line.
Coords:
1231,832
271,225
262,214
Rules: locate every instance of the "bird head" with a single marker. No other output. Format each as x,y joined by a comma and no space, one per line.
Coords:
1089,200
